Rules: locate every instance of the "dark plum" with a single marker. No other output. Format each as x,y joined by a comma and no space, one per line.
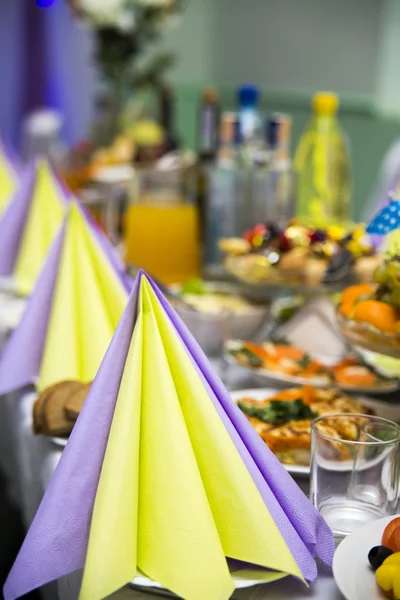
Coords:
378,555
273,229
319,235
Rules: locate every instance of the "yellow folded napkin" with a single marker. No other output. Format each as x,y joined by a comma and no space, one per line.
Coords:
71,315
89,299
164,476
43,221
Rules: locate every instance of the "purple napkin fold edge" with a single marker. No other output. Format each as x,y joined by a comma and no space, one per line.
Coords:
56,542
21,358
12,222
12,159
104,242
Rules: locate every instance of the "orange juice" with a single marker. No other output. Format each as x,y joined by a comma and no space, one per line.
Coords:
164,239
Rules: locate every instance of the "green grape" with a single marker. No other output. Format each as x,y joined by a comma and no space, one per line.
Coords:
380,274
386,297
395,297
393,275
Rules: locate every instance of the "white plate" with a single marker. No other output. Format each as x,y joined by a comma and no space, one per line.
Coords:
141,581
382,409
351,569
263,376
58,441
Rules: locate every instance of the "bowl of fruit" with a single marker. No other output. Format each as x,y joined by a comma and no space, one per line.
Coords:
299,255
368,315
373,551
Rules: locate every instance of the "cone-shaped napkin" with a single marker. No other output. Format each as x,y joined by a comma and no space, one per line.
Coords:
29,225
164,476
8,176
71,315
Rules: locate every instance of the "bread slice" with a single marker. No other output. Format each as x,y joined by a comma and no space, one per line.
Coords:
54,420
74,403
38,410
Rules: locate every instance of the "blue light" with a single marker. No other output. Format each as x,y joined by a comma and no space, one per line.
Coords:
44,3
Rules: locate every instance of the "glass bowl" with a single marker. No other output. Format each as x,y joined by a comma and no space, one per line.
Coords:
367,336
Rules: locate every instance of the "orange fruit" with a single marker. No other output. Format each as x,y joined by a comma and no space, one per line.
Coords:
351,294
389,538
379,314
347,309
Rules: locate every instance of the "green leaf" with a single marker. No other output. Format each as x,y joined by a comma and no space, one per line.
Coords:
278,412
305,361
281,341
249,358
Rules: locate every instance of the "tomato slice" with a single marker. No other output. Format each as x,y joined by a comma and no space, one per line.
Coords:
391,535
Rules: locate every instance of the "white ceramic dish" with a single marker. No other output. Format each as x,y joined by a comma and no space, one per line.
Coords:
244,323
382,409
264,376
351,570
142,582
58,441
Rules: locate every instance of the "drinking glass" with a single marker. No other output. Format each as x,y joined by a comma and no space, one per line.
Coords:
354,477
162,232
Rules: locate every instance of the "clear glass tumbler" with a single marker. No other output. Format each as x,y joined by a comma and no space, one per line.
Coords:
354,470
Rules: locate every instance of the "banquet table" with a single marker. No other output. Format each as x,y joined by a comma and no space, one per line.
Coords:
30,462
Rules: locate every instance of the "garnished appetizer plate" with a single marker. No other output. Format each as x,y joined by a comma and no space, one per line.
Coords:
287,364
282,418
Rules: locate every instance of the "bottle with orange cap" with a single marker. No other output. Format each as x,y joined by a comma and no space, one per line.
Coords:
323,167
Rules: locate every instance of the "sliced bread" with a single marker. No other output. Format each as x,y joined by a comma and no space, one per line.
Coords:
74,403
54,420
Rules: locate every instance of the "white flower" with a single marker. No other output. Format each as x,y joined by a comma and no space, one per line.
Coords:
102,12
125,21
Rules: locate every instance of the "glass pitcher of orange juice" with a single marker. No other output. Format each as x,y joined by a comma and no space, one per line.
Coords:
162,233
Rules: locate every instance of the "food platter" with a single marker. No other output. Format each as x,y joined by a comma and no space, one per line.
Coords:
381,409
299,257
265,376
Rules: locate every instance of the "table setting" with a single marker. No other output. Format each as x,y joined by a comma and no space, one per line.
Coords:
187,440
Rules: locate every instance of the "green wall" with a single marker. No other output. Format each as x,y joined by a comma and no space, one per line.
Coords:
370,135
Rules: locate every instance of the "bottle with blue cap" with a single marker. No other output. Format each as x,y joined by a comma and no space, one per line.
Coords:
250,122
